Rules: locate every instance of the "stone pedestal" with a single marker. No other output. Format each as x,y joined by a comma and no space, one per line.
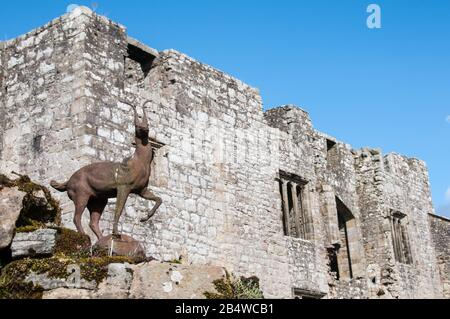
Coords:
122,246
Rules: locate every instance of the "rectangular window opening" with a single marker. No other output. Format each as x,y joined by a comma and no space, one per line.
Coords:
341,261
297,221
333,261
138,64
400,239
331,151
145,59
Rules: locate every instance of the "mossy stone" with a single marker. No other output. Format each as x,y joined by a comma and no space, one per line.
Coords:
13,283
35,211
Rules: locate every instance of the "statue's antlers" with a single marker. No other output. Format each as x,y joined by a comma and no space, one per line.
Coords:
137,122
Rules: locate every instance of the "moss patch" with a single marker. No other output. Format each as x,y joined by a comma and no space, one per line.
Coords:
98,251
28,229
13,285
176,261
96,268
230,287
71,243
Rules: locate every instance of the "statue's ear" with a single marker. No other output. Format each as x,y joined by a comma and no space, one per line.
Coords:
136,117
145,114
144,120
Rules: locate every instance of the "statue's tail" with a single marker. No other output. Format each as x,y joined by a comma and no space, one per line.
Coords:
59,187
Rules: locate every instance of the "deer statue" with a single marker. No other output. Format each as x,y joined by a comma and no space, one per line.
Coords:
94,184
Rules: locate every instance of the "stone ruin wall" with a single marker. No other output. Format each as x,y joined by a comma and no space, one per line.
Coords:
396,183
66,91
43,130
440,233
2,94
407,190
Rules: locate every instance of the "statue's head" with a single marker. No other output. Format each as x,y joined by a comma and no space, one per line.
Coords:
141,126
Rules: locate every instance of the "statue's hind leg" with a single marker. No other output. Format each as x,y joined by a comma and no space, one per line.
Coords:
96,208
80,205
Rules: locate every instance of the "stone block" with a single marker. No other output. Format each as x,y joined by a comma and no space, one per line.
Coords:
38,243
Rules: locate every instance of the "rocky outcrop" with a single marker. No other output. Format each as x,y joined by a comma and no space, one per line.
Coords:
24,203
10,207
33,201
152,280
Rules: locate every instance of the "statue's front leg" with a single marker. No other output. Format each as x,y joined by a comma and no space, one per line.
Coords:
122,196
147,194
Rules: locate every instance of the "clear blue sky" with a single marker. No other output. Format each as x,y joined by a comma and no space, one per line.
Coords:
387,88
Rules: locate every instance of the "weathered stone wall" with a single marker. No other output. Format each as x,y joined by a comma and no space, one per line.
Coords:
440,233
355,289
395,183
407,190
42,127
68,90
306,268
296,156
375,227
303,151
2,96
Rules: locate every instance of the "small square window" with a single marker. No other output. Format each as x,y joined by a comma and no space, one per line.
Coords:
330,145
